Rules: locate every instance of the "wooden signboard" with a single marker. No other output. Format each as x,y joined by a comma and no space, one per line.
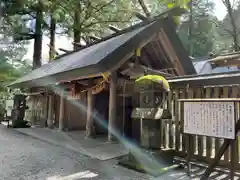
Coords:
210,118
215,118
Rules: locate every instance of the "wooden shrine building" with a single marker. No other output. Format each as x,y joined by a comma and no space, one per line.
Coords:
91,88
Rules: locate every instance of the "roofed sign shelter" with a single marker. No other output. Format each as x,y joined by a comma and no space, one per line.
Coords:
151,47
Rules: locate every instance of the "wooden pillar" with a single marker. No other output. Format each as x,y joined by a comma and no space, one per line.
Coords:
33,115
43,122
61,113
50,112
112,106
90,110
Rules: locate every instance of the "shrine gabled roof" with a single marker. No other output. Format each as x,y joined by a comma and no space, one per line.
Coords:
87,57
104,55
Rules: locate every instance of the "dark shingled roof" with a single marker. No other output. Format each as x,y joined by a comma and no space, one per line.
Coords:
103,55
84,58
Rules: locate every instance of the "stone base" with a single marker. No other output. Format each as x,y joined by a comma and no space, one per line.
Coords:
60,130
112,139
90,135
50,126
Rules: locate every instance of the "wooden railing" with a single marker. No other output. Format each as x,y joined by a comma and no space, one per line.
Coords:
204,147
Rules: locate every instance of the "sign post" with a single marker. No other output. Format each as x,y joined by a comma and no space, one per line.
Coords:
213,118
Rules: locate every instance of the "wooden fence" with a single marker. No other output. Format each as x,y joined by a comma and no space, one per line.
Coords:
204,147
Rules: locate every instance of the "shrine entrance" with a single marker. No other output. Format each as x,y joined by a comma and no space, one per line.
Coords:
101,106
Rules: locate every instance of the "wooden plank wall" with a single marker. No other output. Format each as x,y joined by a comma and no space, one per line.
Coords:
36,112
204,148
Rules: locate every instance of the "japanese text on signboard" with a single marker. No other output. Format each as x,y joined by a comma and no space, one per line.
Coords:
214,119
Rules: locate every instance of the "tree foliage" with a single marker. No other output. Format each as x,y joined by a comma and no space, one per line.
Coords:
228,29
12,64
197,30
11,53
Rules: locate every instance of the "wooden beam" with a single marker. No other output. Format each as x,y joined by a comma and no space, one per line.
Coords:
141,17
149,70
122,76
113,28
65,50
167,70
80,45
144,8
95,38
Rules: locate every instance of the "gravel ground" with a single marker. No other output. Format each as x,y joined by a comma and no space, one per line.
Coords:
23,157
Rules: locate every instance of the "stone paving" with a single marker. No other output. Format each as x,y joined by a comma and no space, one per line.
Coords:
25,158
97,148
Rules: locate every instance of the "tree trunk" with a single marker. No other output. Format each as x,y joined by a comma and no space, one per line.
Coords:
228,5
37,52
76,27
190,50
144,7
52,38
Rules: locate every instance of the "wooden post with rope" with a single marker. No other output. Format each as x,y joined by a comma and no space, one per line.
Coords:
112,106
90,106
